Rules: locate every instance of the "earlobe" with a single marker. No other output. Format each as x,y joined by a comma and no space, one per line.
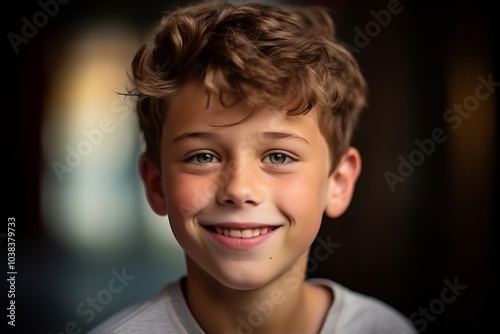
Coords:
152,180
342,183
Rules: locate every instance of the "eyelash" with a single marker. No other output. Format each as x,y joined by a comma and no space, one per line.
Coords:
289,159
192,159
286,155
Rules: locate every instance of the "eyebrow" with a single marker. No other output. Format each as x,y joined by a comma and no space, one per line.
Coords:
266,135
283,135
191,135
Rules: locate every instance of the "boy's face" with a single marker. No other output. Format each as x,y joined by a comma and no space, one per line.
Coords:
245,201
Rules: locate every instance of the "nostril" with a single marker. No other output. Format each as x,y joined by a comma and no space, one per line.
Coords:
238,194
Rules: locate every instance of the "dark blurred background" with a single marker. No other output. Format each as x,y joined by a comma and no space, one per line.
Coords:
421,221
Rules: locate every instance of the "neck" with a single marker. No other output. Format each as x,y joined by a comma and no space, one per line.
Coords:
287,304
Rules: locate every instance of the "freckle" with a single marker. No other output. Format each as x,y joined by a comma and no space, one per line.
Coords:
271,258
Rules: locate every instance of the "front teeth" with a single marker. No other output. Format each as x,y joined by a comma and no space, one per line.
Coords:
245,234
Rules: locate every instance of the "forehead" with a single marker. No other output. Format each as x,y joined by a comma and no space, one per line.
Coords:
194,107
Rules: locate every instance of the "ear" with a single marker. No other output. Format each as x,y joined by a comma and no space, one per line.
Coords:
152,180
342,182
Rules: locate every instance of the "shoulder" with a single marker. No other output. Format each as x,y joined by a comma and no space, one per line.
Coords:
354,312
159,314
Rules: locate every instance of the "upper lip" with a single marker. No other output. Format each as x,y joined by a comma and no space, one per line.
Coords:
239,225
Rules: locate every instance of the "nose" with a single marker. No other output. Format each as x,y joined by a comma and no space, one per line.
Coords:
239,186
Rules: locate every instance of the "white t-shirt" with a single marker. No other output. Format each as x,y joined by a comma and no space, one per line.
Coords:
168,313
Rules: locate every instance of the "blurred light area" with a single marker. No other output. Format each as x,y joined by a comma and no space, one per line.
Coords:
472,140
93,202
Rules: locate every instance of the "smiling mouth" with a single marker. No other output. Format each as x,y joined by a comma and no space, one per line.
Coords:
241,233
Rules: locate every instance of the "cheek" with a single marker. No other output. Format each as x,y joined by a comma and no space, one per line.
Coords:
302,195
186,195
303,200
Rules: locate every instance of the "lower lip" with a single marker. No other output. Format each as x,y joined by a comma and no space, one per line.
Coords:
241,243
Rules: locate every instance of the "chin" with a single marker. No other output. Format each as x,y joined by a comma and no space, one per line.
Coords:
244,280
243,284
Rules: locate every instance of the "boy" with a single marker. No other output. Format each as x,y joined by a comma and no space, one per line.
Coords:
247,111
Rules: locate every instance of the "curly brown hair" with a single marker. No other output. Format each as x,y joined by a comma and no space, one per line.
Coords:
269,54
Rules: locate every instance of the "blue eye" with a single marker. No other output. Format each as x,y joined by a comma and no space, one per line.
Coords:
278,158
203,158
